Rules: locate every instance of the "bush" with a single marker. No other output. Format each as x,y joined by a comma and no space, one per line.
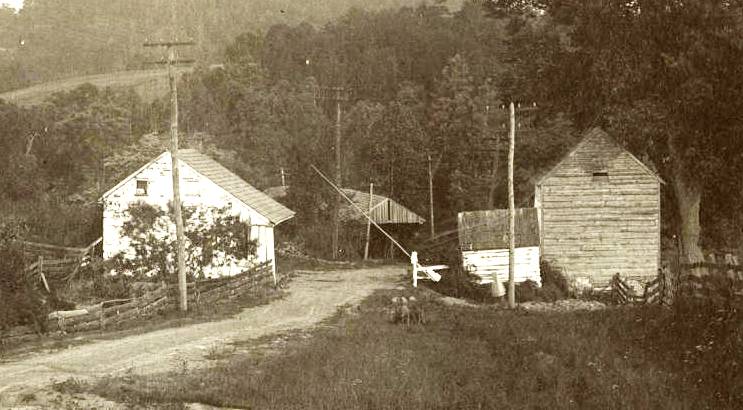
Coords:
96,283
527,291
554,284
22,303
213,237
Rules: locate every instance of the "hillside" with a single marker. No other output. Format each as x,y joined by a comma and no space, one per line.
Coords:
148,84
50,40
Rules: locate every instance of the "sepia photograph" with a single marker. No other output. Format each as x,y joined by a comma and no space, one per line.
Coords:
352,204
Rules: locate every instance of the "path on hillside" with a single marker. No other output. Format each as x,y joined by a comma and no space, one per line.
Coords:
312,298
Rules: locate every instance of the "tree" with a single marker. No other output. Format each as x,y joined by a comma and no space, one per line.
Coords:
395,150
454,135
663,76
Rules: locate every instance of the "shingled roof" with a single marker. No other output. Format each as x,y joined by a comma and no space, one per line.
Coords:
227,180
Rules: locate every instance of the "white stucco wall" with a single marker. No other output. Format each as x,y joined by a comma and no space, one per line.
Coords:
196,190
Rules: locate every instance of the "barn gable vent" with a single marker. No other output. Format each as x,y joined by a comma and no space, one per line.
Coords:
601,176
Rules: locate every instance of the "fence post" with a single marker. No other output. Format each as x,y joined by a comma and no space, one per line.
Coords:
41,273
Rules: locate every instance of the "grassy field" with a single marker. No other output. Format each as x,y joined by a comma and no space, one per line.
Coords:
149,84
470,358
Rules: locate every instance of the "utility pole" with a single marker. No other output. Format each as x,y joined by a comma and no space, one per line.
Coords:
496,163
338,173
430,197
180,240
368,221
511,209
337,95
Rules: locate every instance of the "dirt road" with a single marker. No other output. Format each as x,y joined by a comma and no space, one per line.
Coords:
312,297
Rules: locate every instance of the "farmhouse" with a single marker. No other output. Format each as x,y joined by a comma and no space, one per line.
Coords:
483,239
204,184
599,213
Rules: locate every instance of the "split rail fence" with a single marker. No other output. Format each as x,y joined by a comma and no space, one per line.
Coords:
113,313
56,264
689,281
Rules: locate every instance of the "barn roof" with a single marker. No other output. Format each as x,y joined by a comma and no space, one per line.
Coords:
384,209
227,180
486,230
589,137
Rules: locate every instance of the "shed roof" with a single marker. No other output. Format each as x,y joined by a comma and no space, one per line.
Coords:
485,230
589,137
227,180
385,210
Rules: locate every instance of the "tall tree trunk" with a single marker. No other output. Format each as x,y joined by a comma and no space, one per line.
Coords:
688,200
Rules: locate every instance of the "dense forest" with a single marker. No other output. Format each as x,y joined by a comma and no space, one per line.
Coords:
663,77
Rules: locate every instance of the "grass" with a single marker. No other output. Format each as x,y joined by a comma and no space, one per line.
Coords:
165,320
647,357
150,84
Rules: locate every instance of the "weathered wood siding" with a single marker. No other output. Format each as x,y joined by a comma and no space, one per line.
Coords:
596,225
196,191
483,238
485,263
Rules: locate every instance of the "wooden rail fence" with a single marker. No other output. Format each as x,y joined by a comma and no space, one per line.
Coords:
116,312
56,264
689,281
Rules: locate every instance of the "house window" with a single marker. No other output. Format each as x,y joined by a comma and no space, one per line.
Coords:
141,187
601,176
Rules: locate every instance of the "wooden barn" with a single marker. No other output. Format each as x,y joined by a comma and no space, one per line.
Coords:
483,239
204,184
599,213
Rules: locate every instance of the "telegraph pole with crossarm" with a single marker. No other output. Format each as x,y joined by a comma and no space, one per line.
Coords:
179,230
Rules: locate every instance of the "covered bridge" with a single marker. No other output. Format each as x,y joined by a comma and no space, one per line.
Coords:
599,213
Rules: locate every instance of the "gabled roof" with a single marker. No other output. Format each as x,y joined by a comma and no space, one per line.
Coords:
591,135
131,176
384,209
227,180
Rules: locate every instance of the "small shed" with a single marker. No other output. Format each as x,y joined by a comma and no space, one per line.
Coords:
599,213
384,210
483,239
399,221
204,184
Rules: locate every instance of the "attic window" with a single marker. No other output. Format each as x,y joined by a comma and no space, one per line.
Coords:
601,176
141,187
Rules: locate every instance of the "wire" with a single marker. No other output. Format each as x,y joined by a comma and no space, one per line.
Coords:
340,191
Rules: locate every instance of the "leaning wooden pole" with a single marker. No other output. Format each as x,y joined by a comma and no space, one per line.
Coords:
511,209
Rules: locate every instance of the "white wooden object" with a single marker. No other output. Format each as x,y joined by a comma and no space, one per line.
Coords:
486,263
429,271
